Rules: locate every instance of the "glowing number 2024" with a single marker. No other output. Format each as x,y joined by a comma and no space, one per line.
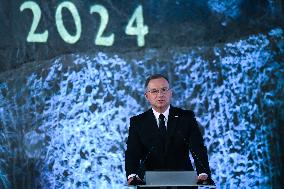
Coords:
131,29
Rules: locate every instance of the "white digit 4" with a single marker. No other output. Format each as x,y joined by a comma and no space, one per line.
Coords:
140,29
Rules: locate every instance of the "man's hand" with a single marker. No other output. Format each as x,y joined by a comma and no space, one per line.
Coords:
135,180
130,180
202,177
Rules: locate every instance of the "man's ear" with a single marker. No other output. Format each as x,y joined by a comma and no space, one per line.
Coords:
146,95
171,93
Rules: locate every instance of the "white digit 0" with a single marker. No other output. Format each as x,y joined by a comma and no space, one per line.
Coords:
65,35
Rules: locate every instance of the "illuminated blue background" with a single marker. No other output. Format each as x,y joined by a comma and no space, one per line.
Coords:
64,121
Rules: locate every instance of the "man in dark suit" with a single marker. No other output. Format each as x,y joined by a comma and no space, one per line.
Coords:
161,138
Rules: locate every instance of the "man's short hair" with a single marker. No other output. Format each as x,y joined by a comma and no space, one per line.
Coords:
155,76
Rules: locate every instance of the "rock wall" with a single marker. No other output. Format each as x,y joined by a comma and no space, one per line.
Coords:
64,121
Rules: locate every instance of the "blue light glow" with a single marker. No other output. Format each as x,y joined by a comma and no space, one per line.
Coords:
70,116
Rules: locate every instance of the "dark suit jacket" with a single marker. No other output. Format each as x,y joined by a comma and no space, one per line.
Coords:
147,151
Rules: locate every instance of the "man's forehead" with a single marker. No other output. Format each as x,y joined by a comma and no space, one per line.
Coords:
160,82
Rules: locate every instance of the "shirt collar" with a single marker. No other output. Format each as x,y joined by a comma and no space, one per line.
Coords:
166,113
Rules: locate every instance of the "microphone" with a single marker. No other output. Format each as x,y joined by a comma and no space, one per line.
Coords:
142,162
208,181
136,180
192,152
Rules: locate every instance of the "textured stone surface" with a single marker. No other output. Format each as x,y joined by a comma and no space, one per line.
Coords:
64,121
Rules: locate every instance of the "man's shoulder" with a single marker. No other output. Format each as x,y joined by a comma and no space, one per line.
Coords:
182,111
141,115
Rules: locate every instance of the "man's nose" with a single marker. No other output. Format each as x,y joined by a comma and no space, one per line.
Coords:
161,93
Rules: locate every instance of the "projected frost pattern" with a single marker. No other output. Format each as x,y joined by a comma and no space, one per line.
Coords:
89,117
82,104
228,8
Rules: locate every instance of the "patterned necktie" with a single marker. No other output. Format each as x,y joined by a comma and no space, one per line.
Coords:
162,125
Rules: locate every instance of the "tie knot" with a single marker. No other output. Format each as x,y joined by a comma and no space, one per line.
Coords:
161,117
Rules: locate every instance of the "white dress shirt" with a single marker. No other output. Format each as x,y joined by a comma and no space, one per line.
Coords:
166,114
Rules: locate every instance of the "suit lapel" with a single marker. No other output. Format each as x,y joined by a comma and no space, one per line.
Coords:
172,122
151,123
152,126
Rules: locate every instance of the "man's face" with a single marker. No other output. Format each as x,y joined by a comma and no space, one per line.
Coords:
158,94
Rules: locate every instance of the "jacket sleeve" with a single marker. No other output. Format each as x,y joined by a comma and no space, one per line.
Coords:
134,149
197,148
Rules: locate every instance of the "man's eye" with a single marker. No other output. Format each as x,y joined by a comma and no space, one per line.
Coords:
154,91
163,89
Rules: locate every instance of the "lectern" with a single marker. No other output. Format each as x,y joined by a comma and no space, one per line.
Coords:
171,179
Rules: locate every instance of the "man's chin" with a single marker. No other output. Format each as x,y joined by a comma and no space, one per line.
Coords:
162,106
